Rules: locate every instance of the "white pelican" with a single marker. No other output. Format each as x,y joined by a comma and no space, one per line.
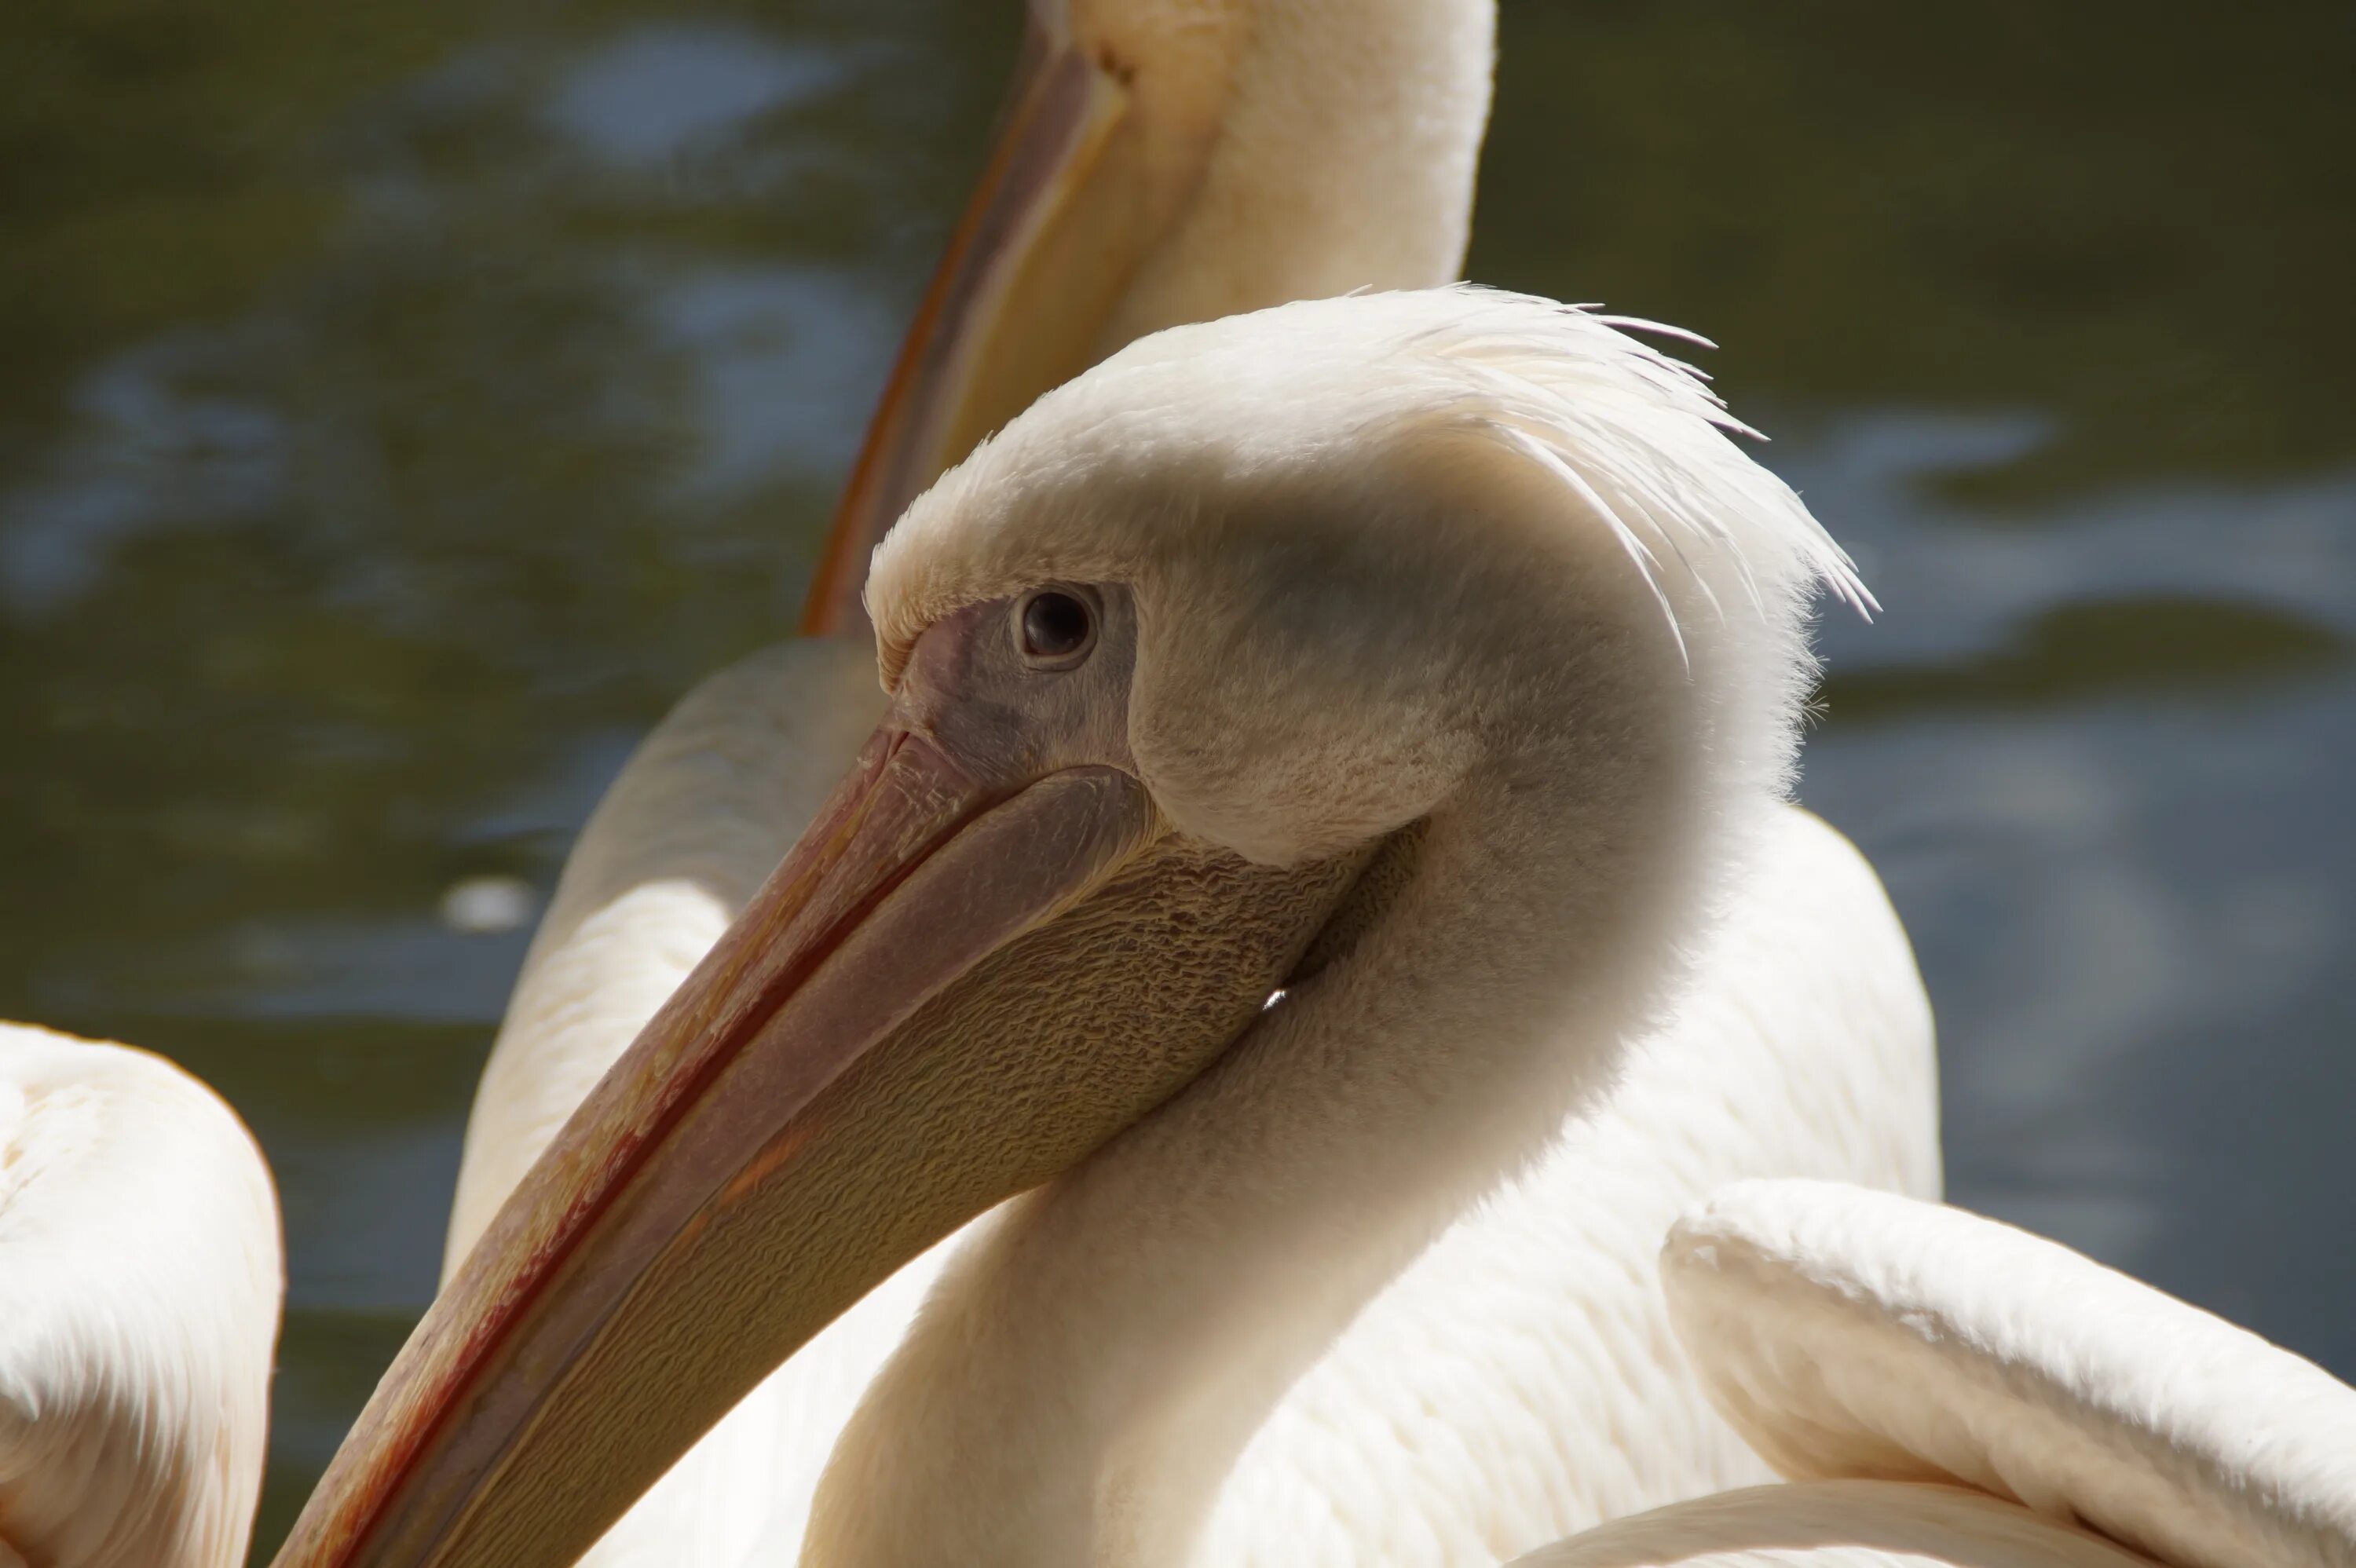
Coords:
1432,656
140,1279
1163,162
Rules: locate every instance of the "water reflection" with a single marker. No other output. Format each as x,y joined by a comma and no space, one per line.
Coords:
2070,654
2097,770
404,404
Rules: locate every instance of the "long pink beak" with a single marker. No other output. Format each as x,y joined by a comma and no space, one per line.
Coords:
616,1278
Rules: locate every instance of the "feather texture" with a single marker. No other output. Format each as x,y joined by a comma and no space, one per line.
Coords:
140,1279
1848,1333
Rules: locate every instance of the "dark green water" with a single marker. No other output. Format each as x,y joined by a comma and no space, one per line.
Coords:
402,403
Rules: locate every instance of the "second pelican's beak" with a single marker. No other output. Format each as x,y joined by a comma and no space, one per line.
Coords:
982,961
1084,177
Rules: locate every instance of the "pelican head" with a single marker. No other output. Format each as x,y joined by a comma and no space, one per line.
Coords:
1169,160
1419,656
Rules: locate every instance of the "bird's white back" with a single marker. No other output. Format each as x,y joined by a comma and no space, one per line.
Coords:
140,1280
1855,1334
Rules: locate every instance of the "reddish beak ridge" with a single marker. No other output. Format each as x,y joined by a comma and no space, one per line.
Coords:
600,1287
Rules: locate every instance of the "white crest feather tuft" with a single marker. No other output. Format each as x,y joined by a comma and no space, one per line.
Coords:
1636,434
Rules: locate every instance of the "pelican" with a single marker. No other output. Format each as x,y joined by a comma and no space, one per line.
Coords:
140,1279
1428,658
1164,163
1317,744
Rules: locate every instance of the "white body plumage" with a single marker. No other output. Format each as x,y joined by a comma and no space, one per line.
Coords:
140,1278
2007,1397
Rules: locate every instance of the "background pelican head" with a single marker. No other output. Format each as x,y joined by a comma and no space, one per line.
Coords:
1162,162
1421,655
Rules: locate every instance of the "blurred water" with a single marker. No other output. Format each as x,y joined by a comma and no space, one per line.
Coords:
404,403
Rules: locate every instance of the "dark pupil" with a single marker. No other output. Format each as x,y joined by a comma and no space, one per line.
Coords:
1054,624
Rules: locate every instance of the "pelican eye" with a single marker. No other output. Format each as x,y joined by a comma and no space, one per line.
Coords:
1053,627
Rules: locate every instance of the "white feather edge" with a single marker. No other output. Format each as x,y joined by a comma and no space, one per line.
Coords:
1848,1333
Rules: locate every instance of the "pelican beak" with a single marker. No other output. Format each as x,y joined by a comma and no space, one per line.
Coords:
906,1026
1080,184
